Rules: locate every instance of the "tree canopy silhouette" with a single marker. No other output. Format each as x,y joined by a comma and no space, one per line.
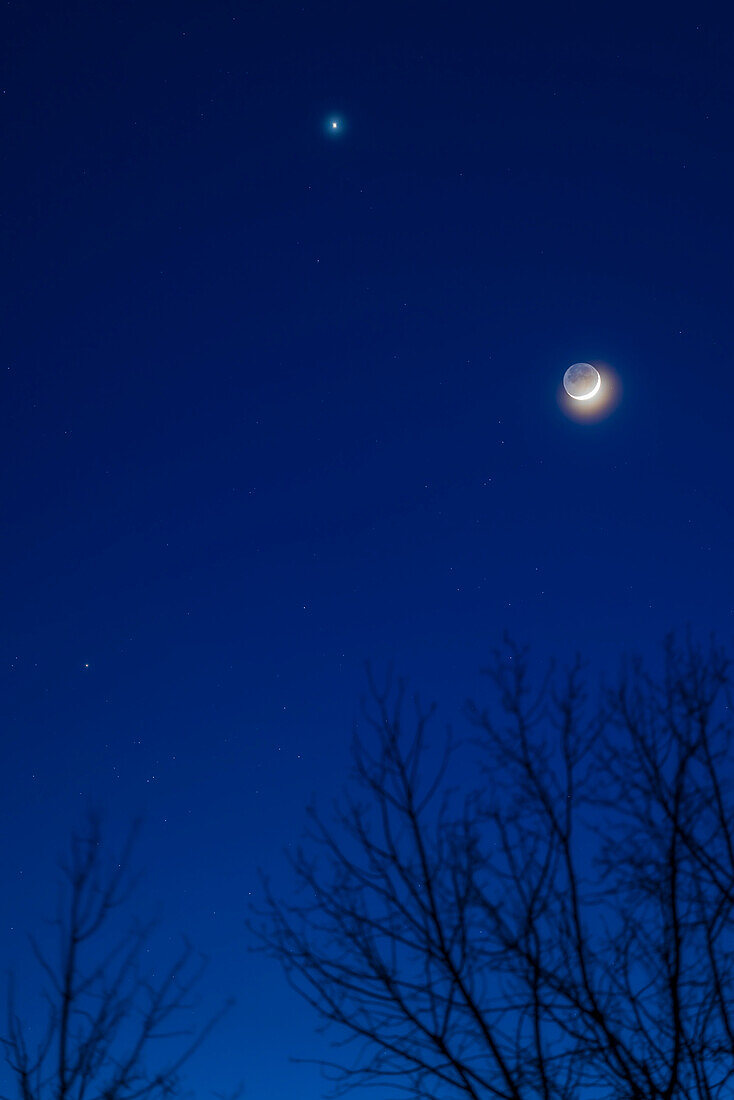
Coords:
107,1004
559,928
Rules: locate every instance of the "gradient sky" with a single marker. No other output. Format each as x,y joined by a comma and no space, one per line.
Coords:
277,399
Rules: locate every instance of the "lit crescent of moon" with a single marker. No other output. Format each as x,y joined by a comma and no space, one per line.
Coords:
588,396
582,381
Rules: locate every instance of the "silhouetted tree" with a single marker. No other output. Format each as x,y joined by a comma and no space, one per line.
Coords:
560,929
107,1004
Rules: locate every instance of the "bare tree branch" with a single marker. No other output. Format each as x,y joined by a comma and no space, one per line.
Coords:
105,1010
560,928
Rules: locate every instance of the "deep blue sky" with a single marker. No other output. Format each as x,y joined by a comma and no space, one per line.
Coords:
275,401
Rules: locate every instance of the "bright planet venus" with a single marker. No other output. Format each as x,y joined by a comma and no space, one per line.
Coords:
582,381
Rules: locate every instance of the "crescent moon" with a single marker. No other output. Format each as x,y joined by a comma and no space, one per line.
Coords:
588,396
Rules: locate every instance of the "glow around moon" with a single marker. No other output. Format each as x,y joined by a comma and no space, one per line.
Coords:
582,381
589,392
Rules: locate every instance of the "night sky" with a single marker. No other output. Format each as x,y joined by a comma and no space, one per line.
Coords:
278,398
